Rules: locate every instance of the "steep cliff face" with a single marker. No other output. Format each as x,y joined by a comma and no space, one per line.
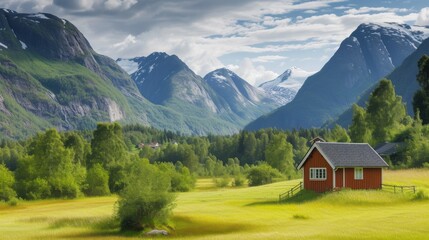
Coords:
51,76
371,52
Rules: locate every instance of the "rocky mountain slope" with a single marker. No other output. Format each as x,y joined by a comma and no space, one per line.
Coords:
51,77
221,99
369,53
403,79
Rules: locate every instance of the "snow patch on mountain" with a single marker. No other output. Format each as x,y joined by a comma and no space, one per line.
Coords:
284,88
23,45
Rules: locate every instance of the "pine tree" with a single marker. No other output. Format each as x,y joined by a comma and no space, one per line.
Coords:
421,97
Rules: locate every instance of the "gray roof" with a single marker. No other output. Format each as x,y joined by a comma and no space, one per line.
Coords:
388,149
347,155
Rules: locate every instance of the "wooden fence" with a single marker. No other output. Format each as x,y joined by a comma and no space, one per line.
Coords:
291,192
398,189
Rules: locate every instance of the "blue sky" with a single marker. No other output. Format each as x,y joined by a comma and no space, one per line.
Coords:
256,39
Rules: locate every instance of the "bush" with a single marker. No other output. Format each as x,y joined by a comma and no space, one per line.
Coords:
145,200
13,201
262,174
98,181
7,180
420,195
239,180
38,189
223,181
181,178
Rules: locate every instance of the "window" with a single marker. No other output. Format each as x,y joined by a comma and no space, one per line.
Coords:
317,173
358,173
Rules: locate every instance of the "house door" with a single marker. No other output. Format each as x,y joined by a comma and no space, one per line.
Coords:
339,178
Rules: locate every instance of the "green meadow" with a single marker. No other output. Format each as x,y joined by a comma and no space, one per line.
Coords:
241,213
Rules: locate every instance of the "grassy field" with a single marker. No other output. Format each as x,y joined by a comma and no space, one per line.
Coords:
243,213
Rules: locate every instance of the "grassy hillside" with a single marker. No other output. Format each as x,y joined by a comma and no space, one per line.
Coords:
244,213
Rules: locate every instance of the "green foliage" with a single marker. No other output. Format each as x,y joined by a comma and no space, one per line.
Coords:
109,149
145,201
98,181
337,134
53,162
7,180
262,174
421,97
385,112
359,130
279,154
181,178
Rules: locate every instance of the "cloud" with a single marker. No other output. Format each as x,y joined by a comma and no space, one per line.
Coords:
251,73
423,17
268,58
202,32
129,40
374,9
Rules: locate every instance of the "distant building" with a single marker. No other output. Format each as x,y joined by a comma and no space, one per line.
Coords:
329,165
153,145
387,149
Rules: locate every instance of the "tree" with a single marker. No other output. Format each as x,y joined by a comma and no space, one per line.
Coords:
359,130
53,162
262,174
338,134
98,181
279,154
109,150
385,111
421,97
145,200
7,181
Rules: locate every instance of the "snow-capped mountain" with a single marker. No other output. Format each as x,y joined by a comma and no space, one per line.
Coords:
371,52
221,99
284,88
238,94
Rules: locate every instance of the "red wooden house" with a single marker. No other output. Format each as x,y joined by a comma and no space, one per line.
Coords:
329,165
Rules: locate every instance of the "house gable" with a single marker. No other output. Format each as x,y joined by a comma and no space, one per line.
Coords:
315,160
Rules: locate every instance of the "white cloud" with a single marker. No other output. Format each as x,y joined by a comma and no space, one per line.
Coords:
374,9
119,4
251,73
423,17
268,58
129,40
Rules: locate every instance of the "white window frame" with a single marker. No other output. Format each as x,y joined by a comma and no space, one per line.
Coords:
358,173
318,174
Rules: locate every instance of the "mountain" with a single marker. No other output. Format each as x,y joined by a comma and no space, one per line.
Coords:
372,51
403,79
208,105
51,77
284,88
238,96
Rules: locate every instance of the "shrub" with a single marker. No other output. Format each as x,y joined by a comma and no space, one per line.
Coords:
262,174
239,180
7,180
38,189
98,181
223,181
181,178
420,195
145,200
13,201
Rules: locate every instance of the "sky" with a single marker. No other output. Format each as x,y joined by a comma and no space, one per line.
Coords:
257,39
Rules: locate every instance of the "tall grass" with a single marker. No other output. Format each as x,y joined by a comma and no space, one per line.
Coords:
239,213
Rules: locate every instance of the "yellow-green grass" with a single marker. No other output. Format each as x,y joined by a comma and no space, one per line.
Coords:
240,213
